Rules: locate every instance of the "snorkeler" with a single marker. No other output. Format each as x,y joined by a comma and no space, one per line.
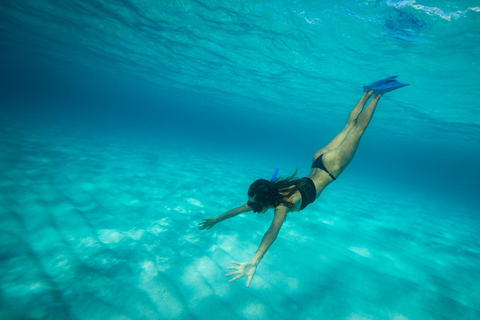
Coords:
292,194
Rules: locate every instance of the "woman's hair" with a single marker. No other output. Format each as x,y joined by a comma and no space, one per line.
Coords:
268,192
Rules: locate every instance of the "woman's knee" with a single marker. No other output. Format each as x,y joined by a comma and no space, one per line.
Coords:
357,131
350,144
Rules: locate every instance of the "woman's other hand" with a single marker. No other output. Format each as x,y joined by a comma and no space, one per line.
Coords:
244,269
207,223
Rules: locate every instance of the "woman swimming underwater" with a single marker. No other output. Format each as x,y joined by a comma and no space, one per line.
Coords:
290,194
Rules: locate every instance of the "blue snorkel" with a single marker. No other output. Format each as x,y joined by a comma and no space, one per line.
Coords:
274,175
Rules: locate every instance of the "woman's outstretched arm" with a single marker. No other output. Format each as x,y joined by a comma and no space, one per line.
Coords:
210,222
247,269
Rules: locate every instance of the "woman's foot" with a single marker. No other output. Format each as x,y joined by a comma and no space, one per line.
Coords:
378,83
388,86
368,94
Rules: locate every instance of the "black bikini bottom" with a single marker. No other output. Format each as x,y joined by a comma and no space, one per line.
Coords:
319,164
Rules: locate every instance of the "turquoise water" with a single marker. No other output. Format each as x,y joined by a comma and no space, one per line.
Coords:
124,124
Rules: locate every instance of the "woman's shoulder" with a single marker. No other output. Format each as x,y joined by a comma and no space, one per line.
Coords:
295,199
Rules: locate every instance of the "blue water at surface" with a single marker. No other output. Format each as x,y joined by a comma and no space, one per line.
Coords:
125,123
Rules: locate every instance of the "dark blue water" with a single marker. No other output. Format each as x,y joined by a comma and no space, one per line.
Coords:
123,124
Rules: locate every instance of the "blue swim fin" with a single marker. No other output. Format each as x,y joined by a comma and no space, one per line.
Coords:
389,86
378,83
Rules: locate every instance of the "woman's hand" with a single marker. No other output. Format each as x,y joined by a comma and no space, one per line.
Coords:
207,223
244,269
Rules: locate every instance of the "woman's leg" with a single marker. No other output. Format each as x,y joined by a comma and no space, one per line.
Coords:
352,118
337,160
